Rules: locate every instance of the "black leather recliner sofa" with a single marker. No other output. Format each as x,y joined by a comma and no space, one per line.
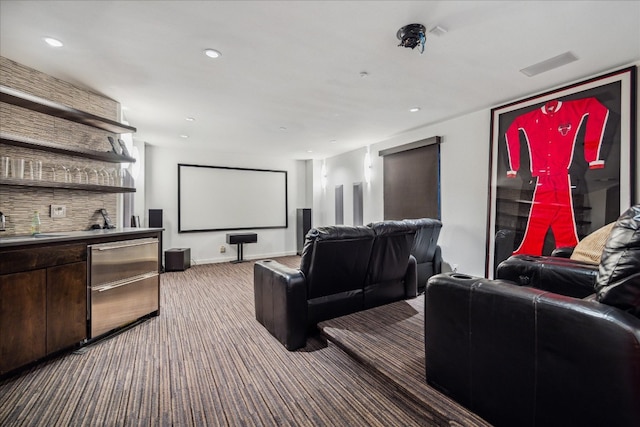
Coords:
343,270
521,356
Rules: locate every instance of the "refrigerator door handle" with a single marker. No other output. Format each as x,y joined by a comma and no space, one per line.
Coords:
128,281
127,245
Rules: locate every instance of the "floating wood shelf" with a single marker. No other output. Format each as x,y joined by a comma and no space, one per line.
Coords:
52,147
67,185
35,103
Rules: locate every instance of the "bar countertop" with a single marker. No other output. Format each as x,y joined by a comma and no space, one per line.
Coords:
72,236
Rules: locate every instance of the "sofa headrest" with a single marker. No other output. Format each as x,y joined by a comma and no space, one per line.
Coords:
618,280
424,223
338,232
383,228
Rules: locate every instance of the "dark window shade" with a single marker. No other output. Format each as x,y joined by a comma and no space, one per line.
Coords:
412,183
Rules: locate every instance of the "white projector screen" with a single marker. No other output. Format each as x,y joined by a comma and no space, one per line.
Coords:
216,198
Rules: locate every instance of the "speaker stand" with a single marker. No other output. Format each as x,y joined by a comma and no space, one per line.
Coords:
240,254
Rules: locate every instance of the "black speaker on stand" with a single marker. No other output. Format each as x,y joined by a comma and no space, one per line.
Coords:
303,225
155,221
155,218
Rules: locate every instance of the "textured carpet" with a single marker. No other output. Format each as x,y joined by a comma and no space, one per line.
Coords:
206,361
389,340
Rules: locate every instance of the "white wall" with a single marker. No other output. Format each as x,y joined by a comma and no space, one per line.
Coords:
161,181
464,174
464,186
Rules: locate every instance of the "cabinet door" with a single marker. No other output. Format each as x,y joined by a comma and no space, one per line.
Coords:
66,305
22,318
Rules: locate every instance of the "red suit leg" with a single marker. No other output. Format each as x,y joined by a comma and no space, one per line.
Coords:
540,215
552,206
564,223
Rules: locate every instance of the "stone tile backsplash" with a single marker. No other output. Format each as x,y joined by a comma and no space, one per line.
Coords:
18,203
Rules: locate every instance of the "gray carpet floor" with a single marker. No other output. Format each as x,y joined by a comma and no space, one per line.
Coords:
206,361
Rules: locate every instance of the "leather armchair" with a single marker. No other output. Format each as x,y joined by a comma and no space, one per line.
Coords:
518,355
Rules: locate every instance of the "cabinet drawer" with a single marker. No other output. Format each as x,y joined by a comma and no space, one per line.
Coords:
111,262
113,306
41,257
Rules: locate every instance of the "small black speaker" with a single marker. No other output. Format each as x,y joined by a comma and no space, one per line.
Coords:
155,218
240,238
303,225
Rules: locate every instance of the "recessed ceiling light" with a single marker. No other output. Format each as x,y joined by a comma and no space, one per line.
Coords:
53,42
283,128
333,141
184,136
190,119
414,109
212,53
309,151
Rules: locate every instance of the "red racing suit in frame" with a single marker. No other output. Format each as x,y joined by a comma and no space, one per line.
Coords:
551,133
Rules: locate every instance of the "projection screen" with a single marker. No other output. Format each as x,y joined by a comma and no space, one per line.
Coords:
217,198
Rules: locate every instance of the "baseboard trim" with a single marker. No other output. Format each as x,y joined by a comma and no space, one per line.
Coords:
247,258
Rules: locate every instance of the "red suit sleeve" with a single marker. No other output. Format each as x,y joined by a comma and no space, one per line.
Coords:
512,139
594,131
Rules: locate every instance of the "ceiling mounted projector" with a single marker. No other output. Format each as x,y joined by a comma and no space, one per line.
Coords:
412,35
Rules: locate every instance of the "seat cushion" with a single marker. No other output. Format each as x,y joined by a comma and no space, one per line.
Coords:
618,279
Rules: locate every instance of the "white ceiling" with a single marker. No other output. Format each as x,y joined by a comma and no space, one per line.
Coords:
297,64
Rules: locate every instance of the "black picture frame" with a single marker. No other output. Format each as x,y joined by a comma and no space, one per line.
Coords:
597,193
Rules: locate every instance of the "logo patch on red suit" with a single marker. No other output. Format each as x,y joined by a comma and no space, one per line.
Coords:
564,128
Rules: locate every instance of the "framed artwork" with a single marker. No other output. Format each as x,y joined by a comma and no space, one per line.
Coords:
562,165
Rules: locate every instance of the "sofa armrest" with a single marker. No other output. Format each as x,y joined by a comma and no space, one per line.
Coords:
437,260
411,278
280,295
564,252
541,355
559,275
